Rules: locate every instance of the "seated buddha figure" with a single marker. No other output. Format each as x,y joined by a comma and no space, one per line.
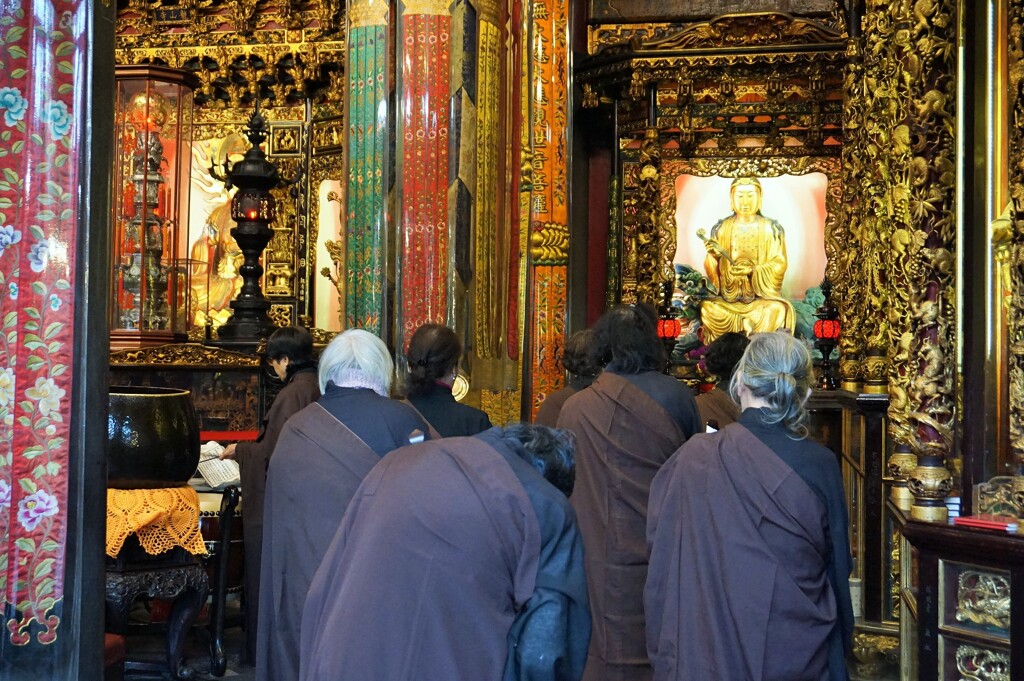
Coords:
745,263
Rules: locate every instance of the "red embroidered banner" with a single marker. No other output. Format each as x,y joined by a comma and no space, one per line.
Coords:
42,102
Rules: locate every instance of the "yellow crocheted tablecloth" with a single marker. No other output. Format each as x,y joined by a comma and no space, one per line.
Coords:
160,518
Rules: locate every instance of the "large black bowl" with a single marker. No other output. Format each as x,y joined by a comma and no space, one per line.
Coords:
152,437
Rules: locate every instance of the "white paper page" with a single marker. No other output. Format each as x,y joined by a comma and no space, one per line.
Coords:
218,473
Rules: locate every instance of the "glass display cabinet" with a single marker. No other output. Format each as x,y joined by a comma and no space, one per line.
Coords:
150,289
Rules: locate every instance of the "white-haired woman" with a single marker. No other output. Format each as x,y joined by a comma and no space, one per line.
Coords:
747,531
322,455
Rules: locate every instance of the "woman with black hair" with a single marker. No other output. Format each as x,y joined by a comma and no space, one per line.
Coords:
717,408
433,356
290,354
578,361
627,424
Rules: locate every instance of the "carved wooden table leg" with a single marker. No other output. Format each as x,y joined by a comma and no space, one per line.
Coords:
183,615
186,585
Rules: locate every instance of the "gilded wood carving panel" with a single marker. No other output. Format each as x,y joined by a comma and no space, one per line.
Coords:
1015,254
282,55
615,11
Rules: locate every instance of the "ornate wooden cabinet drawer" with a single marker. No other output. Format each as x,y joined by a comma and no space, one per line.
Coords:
970,603
975,601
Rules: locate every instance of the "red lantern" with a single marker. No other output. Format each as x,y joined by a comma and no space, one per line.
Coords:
669,328
826,329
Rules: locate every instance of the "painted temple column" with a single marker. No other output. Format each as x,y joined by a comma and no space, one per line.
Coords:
423,289
464,166
548,207
933,76
366,228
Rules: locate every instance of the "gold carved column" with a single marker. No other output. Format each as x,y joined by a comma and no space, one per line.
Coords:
490,239
850,265
877,277
932,68
1016,247
896,241
643,238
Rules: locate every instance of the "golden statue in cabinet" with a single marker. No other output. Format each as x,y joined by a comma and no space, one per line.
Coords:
745,263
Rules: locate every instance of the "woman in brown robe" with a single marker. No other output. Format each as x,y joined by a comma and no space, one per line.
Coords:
290,353
627,424
458,560
322,456
747,531
717,408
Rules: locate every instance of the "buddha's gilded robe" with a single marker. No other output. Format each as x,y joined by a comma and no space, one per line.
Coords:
747,302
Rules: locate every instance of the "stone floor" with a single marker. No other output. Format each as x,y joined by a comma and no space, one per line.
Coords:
149,647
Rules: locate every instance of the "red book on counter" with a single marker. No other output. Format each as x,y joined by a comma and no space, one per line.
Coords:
988,521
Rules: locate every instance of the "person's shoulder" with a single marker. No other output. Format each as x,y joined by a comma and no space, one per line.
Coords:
312,412
820,457
480,418
696,447
303,387
306,378
578,397
471,412
669,383
561,395
691,456
397,408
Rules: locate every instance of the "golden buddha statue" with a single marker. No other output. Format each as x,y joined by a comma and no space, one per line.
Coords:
215,256
745,263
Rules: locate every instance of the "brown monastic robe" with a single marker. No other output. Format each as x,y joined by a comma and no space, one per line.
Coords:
622,438
253,458
737,585
315,470
552,405
716,406
443,544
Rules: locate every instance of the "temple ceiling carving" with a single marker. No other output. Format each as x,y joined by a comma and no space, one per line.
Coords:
632,10
770,76
281,52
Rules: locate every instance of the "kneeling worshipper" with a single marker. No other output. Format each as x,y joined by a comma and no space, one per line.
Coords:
458,560
324,452
747,530
627,424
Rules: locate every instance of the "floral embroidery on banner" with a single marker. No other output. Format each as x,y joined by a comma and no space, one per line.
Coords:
42,83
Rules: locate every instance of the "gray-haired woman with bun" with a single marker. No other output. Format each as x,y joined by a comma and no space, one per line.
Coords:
747,532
